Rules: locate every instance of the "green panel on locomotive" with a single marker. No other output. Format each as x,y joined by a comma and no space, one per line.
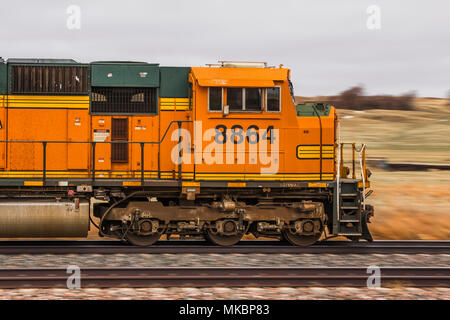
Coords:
174,82
124,74
2,76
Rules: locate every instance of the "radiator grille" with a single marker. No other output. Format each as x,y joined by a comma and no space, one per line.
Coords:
123,100
50,80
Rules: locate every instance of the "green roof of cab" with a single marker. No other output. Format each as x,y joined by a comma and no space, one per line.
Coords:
3,82
309,109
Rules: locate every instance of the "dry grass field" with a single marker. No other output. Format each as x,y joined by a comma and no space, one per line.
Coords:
408,205
411,205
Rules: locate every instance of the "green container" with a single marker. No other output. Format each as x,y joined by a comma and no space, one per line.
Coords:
124,74
174,82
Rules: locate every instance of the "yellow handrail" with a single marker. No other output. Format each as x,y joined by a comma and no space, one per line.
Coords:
342,169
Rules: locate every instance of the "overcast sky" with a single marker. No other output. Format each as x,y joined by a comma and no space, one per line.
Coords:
326,44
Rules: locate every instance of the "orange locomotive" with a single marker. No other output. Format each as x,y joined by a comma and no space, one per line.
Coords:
215,152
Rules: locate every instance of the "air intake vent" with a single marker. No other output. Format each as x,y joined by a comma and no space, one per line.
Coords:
111,100
50,80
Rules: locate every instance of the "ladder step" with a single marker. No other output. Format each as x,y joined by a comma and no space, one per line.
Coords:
349,220
346,195
349,234
353,208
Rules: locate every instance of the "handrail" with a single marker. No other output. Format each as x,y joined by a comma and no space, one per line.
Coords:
340,167
320,137
62,141
94,143
353,161
338,175
362,162
362,155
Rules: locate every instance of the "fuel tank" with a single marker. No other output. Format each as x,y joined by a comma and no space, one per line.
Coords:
33,218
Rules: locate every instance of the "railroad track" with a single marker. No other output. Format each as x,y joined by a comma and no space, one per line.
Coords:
202,247
224,277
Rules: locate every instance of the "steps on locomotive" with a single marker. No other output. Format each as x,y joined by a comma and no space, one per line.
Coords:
350,209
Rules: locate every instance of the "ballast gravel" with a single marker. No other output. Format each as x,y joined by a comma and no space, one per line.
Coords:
223,260
174,293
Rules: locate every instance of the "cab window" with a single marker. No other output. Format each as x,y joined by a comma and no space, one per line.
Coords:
273,99
234,99
253,101
245,99
215,99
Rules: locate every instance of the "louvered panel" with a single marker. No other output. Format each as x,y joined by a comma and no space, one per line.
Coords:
123,100
49,80
119,132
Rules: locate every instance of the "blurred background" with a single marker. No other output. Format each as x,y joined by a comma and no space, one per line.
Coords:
408,149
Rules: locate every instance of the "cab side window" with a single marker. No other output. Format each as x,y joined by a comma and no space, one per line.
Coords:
273,99
215,99
253,99
234,99
245,99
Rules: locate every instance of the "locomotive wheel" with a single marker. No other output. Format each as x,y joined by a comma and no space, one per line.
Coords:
140,240
353,238
223,240
207,239
300,240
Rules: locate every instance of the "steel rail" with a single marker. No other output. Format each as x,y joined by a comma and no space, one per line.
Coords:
224,277
203,247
